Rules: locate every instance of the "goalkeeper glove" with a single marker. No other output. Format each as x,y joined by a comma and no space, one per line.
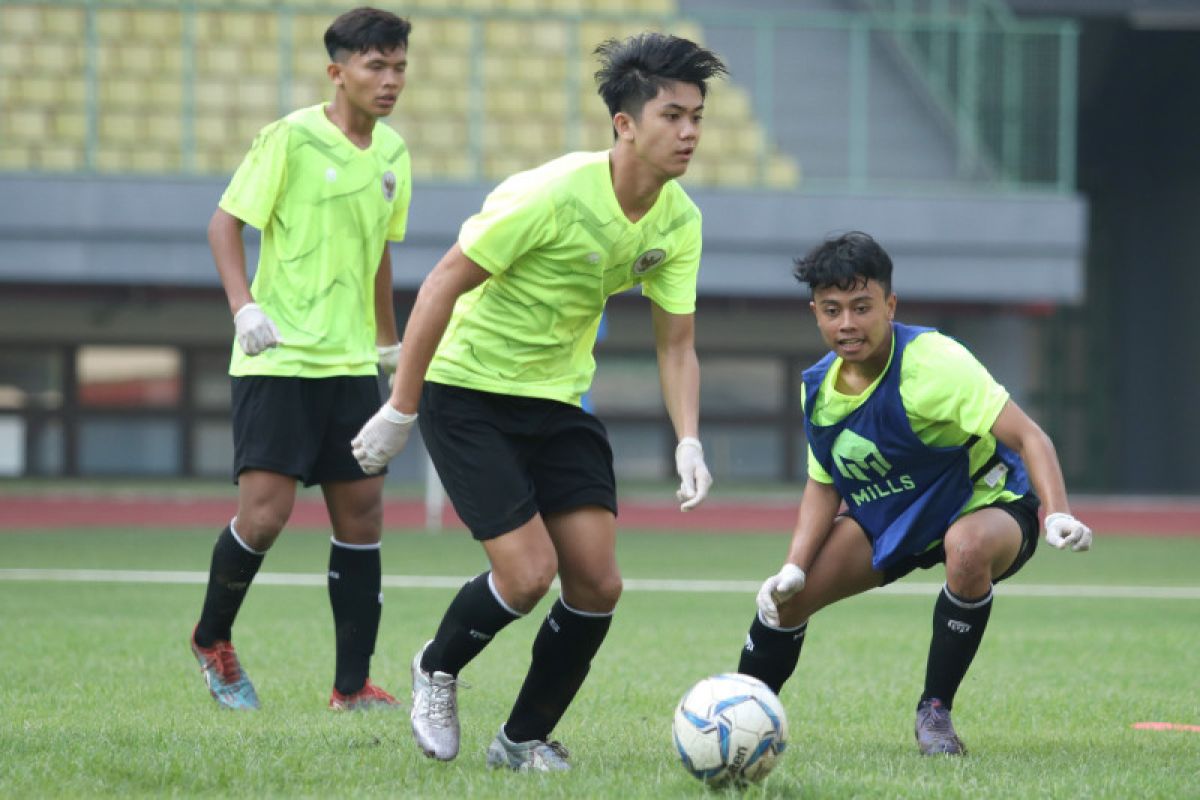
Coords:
1063,529
694,477
776,590
389,357
384,435
255,330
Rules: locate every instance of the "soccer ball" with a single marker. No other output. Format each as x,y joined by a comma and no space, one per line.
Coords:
730,729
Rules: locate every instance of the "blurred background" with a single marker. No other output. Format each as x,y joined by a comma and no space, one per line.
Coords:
1031,165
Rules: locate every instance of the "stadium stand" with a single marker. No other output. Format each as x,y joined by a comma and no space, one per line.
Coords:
497,86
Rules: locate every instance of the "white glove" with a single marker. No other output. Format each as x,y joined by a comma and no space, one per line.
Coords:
255,330
1063,529
384,435
776,590
694,477
389,357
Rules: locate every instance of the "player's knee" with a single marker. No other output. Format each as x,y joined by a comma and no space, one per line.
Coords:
259,527
968,560
602,595
524,586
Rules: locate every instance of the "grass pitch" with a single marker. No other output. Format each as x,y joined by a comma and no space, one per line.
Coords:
101,695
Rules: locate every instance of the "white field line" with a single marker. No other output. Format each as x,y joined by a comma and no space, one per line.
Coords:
632,584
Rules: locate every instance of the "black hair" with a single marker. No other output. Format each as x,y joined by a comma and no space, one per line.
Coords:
633,70
845,262
365,29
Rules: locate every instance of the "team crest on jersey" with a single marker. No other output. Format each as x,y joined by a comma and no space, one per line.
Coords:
389,186
648,261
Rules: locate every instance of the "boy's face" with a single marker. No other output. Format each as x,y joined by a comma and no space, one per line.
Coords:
667,132
372,80
856,323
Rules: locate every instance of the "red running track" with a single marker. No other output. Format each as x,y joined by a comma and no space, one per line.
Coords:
1131,516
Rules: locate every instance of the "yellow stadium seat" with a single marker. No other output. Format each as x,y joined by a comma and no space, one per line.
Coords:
24,125
56,58
211,130
22,22
257,93
69,126
155,26
736,172
60,158
112,23
782,172
163,129
220,59
15,156
64,22
121,128
154,159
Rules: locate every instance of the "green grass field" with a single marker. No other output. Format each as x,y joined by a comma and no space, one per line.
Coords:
102,697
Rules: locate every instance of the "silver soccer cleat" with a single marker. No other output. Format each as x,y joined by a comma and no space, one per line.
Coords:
535,756
434,711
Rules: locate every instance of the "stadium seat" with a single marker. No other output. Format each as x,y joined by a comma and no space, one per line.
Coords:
260,58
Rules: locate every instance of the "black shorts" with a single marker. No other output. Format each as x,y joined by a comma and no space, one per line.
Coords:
301,426
502,459
1024,510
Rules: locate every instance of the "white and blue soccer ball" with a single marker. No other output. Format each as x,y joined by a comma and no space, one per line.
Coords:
730,729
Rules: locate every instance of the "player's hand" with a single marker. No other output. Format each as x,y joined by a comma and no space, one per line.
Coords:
776,590
384,435
255,330
389,357
1063,529
694,477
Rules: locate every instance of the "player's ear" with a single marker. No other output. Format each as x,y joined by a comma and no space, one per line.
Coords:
624,126
334,71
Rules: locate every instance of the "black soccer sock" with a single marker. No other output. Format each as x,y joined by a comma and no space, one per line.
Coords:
958,626
770,654
356,597
476,614
233,568
562,656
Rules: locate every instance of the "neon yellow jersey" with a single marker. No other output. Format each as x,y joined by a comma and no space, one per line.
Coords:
948,397
326,210
558,245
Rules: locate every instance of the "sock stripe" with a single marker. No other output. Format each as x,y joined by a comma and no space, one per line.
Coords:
769,626
238,539
964,603
590,614
349,546
491,582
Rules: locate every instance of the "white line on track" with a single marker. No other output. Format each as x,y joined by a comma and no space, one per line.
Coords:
631,584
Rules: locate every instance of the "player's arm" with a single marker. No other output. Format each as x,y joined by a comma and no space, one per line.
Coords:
255,330
387,341
1014,428
818,509
679,374
386,433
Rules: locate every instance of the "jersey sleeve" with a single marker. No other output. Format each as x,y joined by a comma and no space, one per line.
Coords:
398,224
514,220
942,382
672,286
258,181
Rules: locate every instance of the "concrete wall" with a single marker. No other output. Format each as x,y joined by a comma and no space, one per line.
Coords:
980,248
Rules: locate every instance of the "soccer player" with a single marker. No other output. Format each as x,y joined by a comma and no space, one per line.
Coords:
512,311
935,464
328,187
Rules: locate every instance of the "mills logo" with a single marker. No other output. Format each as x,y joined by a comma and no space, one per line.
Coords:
859,459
